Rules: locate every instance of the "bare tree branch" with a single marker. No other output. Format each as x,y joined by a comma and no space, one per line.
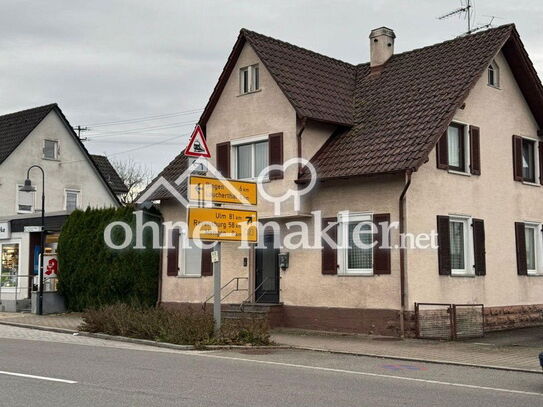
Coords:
135,175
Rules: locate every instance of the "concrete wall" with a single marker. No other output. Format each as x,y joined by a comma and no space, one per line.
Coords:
493,196
71,171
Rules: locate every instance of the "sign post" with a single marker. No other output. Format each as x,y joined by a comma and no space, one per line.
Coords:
216,259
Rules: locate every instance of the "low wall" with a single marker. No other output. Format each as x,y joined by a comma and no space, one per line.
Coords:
513,316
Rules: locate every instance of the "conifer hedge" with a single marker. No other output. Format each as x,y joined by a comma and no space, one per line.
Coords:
92,274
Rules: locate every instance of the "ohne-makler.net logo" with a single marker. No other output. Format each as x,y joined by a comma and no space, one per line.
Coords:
356,229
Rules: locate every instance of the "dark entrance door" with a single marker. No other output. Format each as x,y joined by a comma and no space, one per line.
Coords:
267,272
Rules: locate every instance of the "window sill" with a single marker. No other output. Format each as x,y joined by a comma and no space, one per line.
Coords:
51,159
531,184
250,93
465,174
187,276
463,275
355,275
497,87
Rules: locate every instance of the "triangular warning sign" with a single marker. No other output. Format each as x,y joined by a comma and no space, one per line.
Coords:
197,146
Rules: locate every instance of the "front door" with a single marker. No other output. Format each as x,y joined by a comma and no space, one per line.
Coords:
267,272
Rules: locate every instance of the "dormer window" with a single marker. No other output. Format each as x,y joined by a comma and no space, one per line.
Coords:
494,75
249,79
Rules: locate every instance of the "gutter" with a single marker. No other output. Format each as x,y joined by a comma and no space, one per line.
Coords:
299,144
403,254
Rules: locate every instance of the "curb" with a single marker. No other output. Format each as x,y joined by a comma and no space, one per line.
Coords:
413,359
142,341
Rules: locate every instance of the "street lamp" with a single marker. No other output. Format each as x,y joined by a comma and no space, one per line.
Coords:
29,188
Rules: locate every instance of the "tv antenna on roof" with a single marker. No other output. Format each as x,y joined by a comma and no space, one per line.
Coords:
465,11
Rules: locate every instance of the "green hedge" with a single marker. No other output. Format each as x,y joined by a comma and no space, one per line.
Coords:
92,274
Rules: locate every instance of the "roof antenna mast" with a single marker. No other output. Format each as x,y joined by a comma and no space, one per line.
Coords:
464,11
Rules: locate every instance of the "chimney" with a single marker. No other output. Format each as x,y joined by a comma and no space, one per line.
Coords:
381,45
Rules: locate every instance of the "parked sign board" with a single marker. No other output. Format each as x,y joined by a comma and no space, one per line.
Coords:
215,190
219,224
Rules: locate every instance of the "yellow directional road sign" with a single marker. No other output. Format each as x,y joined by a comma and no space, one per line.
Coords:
222,224
214,190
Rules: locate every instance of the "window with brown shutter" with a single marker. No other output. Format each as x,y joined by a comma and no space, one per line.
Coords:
329,253
207,265
223,159
444,242
172,267
442,152
479,249
520,239
475,150
381,254
275,151
517,158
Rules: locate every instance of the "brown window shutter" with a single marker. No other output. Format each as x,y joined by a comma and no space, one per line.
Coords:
479,247
172,267
444,241
329,254
517,158
520,238
475,150
223,159
381,255
207,265
275,151
540,147
442,152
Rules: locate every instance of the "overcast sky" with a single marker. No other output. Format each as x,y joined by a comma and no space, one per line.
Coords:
109,61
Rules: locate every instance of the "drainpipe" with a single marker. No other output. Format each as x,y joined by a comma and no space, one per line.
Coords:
403,254
299,143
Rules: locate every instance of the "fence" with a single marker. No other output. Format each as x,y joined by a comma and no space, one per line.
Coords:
449,321
15,290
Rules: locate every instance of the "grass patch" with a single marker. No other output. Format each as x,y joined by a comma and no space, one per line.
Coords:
177,327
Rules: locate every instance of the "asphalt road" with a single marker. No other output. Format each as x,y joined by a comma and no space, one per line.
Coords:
78,371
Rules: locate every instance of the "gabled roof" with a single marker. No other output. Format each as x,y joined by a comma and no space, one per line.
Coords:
172,171
389,120
109,173
15,127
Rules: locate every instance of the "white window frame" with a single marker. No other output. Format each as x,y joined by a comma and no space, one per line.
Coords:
538,246
72,190
250,77
344,218
17,192
469,259
536,161
11,242
56,149
467,150
234,144
496,69
184,245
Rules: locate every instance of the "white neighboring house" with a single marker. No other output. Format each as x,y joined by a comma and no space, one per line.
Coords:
73,179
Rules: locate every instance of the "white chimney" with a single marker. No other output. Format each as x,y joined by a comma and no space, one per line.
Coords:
381,45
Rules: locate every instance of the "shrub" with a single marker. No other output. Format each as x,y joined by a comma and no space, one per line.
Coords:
178,327
92,274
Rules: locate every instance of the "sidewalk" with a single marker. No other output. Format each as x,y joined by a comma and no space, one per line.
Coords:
496,351
481,354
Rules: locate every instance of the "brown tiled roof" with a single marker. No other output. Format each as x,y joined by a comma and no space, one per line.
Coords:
109,173
387,121
172,171
401,111
14,127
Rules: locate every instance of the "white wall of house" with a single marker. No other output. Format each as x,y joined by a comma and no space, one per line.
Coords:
493,196
71,171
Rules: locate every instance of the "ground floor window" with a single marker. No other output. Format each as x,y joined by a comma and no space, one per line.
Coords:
9,264
190,258
356,238
533,239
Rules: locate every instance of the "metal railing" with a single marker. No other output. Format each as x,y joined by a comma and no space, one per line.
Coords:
252,293
233,290
16,290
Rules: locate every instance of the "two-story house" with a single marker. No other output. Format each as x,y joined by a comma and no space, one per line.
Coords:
73,179
444,139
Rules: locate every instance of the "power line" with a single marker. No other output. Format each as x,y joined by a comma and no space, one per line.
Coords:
145,118
136,130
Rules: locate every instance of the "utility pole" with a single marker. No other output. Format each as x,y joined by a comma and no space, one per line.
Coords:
79,129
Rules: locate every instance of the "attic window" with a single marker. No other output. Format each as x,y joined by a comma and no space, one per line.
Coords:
249,79
494,75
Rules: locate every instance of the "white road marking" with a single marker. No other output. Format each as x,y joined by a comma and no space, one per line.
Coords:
30,376
354,372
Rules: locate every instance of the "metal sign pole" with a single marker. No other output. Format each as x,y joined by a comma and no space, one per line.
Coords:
217,289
